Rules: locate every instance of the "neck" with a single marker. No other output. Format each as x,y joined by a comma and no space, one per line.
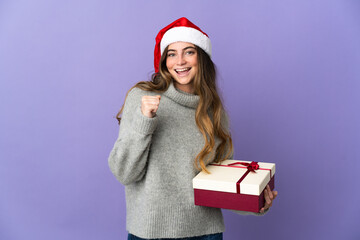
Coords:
188,88
181,97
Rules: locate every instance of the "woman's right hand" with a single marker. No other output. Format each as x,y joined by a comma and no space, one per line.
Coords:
149,105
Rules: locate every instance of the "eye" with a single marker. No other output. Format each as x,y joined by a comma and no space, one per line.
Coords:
171,55
190,52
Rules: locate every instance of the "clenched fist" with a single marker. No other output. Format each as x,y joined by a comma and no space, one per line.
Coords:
149,105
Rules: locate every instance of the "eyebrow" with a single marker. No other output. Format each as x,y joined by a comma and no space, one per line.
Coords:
182,49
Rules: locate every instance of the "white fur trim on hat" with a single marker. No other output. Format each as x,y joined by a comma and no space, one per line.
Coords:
186,34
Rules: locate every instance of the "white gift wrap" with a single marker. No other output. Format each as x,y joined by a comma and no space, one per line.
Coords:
224,178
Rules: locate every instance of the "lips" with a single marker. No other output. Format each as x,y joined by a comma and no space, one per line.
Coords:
182,71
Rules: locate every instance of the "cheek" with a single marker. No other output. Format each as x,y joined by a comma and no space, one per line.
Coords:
194,61
169,64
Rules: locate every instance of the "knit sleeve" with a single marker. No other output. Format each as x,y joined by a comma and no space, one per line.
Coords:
249,213
128,158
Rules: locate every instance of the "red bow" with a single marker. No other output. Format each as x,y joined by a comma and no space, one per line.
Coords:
250,166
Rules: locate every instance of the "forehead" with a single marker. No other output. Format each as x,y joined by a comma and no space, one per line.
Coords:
180,45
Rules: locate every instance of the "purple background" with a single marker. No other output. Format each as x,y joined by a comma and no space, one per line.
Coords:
289,72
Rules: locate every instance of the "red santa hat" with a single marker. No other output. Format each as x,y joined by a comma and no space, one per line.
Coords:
181,30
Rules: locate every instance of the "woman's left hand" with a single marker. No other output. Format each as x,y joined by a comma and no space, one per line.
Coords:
269,198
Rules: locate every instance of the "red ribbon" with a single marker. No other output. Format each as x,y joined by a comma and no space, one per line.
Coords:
251,167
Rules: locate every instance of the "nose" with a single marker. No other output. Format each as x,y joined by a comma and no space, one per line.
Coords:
181,60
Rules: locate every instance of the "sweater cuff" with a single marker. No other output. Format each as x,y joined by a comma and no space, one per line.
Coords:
249,213
143,124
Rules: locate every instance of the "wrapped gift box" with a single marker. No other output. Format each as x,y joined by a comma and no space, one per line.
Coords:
234,184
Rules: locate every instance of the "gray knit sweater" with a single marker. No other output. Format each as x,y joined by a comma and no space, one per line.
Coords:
154,159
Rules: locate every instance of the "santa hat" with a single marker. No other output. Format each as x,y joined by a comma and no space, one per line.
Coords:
181,30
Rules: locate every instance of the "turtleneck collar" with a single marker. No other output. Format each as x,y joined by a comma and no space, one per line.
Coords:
181,97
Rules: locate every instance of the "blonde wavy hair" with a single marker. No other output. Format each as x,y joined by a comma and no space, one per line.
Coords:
209,112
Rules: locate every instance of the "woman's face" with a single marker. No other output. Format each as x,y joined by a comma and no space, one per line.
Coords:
182,64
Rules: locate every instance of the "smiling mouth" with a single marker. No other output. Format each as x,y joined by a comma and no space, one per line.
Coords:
182,71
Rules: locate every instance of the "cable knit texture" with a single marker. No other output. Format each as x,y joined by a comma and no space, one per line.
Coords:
154,159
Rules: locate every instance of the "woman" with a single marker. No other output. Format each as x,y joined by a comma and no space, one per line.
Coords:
171,128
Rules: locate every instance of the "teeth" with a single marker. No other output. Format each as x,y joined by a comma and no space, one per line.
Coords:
182,70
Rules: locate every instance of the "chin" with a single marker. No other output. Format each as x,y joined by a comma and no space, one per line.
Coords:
182,80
